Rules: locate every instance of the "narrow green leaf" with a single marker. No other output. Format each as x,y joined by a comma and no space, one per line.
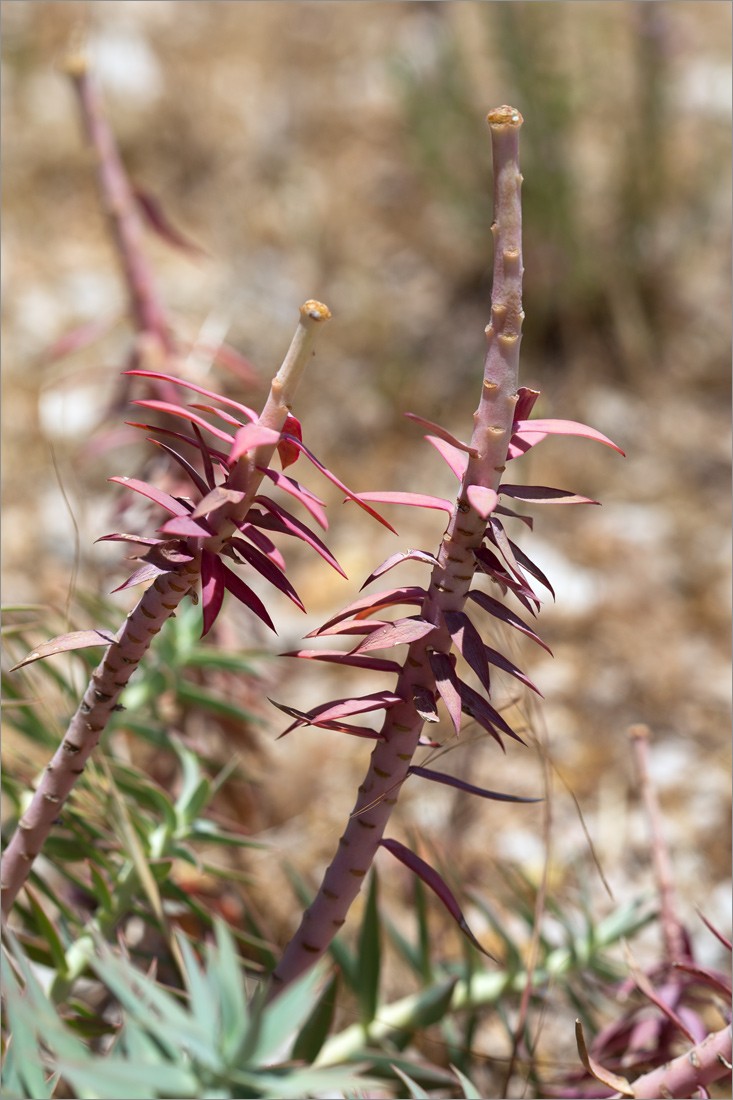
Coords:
369,956
284,1017
416,1092
202,994
217,704
314,1031
48,933
224,970
470,1091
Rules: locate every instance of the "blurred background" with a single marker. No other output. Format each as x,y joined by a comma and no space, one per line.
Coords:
339,151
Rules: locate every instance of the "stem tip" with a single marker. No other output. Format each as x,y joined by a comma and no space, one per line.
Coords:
504,116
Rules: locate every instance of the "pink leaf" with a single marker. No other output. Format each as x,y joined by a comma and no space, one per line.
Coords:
362,626
245,595
500,612
215,499
180,410
530,566
377,601
395,559
397,633
281,520
212,588
447,684
308,499
490,564
483,499
443,434
227,418
147,572
207,452
416,500
343,708
64,643
192,472
502,662
526,402
267,569
251,436
187,527
541,494
456,459
375,664
79,338
287,450
451,781
117,537
486,715
432,879
424,701
339,484
163,499
267,546
467,641
561,427
249,413
303,718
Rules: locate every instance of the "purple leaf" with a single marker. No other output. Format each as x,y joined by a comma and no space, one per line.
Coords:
251,436
500,612
207,452
375,664
561,427
395,559
483,499
308,499
332,477
448,686
77,639
443,434
187,527
344,708
180,410
362,626
399,632
456,459
541,494
216,498
118,537
527,520
502,662
432,879
267,546
526,402
417,500
287,450
490,564
267,569
378,600
486,715
163,499
147,572
302,718
158,222
530,566
281,520
235,421
249,413
245,595
467,641
169,554
184,464
424,701
212,588
451,781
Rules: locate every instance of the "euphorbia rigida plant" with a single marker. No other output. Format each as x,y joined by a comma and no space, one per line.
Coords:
232,518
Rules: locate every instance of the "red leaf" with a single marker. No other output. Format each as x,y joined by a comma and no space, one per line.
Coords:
477,707
287,450
251,436
456,459
267,546
281,520
207,452
147,572
302,718
117,537
561,427
424,701
163,499
249,413
235,421
308,499
184,464
64,643
245,595
377,601
267,569
447,684
362,626
399,632
467,641
483,499
180,410
187,527
502,662
212,587
443,434
158,222
541,494
451,781
526,402
343,708
500,612
375,664
417,500
395,559
217,498
432,879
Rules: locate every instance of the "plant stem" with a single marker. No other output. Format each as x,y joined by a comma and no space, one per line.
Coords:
157,605
450,580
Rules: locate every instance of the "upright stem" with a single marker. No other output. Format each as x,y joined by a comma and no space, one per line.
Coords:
158,604
450,580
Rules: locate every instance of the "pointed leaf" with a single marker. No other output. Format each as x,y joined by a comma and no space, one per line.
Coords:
267,569
281,520
562,427
416,500
611,1080
467,641
447,684
119,537
502,662
64,643
470,1092
308,499
360,609
157,221
483,499
492,567
456,459
361,626
542,494
432,879
395,559
399,632
207,452
424,701
443,434
452,781
417,1092
245,595
79,338
369,956
216,498
530,566
287,450
251,436
526,520
165,500
344,708
314,1031
182,411
267,546
184,464
375,664
302,718
212,588
500,612
476,706
188,527
249,413
147,572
